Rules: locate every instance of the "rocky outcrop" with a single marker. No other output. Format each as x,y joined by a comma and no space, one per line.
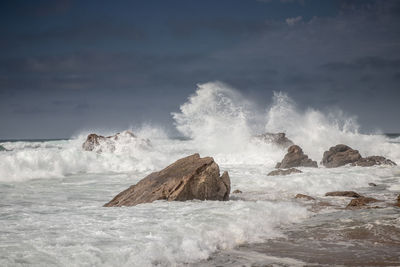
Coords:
373,160
343,194
189,178
99,143
296,158
284,172
237,191
340,155
360,202
304,196
278,139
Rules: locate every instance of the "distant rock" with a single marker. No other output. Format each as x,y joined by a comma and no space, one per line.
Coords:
237,191
296,158
189,178
304,196
343,194
361,202
278,139
284,172
340,155
99,143
373,160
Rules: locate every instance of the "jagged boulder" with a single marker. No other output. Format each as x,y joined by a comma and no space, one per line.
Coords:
373,160
284,172
343,194
340,155
278,139
99,143
361,202
296,158
189,178
304,196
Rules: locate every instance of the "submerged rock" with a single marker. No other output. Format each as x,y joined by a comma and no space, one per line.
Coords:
373,160
296,158
278,139
101,143
343,194
189,178
284,172
340,155
237,191
304,196
372,184
361,202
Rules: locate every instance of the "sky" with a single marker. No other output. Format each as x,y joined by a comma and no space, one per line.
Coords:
67,66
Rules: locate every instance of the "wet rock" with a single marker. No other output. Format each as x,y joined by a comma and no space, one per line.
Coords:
304,196
343,194
296,158
372,184
237,191
278,139
284,172
99,143
360,202
398,201
340,155
189,178
373,160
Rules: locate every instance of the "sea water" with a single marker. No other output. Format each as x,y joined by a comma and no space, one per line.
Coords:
52,192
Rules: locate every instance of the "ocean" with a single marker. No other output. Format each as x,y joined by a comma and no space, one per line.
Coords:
53,192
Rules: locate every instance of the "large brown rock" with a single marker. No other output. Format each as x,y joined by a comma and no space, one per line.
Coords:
284,172
340,155
296,158
343,194
361,202
278,139
189,178
373,160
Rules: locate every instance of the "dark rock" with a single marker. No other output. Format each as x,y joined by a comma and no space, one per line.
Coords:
340,155
343,194
189,178
373,160
237,191
360,202
372,184
296,158
284,172
304,196
278,139
101,143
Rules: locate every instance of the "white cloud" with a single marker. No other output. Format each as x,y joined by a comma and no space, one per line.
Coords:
293,21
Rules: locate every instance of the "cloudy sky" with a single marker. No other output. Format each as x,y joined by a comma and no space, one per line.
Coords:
69,65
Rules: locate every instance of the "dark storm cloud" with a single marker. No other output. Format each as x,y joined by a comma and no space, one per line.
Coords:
116,68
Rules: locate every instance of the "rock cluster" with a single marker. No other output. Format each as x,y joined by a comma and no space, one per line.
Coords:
101,143
278,139
284,172
296,158
189,178
341,155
